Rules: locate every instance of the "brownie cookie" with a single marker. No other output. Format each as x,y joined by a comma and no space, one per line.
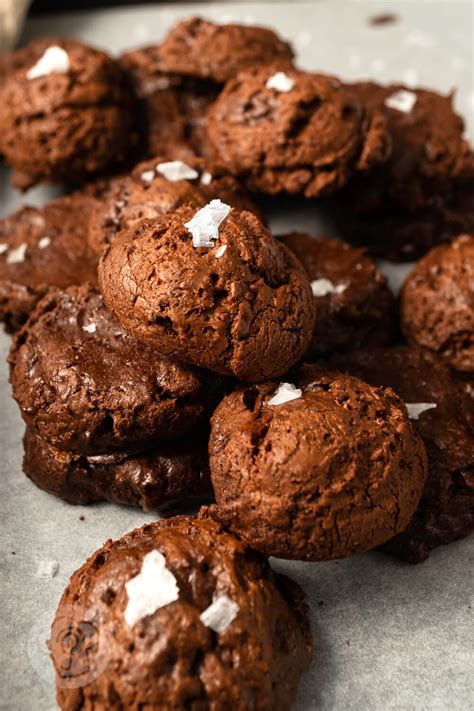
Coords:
179,615
86,386
323,470
444,417
67,116
229,298
42,248
354,305
437,303
166,476
294,132
156,187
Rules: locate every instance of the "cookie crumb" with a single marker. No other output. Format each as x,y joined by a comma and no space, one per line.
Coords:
385,18
82,518
13,552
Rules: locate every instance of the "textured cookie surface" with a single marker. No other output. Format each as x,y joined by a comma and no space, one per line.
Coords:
243,307
354,305
307,140
333,472
437,303
170,658
85,385
446,509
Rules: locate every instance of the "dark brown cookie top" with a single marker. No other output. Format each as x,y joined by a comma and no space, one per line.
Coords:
171,475
202,49
67,116
177,653
241,306
156,187
437,303
429,150
308,135
42,248
443,414
353,303
85,385
323,470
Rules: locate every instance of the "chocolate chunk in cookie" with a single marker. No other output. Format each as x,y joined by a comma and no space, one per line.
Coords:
166,477
156,187
42,248
353,302
212,288
437,303
289,131
67,116
179,614
86,386
323,468
444,417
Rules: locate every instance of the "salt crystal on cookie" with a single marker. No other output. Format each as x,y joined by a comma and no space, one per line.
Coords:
285,393
205,224
220,614
206,178
402,100
220,251
154,587
44,242
55,60
323,287
90,328
148,176
415,409
16,256
177,170
280,82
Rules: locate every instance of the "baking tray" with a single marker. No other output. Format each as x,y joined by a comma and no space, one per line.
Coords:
387,635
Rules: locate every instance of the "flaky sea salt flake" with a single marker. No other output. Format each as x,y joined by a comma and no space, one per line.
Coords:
176,170
220,251
47,569
280,82
44,242
148,176
154,587
204,226
16,256
206,178
55,60
285,393
90,328
220,614
402,100
416,408
323,287
3,248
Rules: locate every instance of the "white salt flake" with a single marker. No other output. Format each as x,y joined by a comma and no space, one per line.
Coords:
90,328
47,569
3,248
16,256
55,60
220,251
176,170
44,242
148,176
401,101
206,178
220,614
323,287
205,224
154,587
280,82
416,408
285,393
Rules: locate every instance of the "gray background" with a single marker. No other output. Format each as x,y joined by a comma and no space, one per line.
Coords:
387,635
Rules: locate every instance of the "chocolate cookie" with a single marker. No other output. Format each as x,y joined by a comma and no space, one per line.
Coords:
179,614
437,303
444,417
354,305
294,132
42,248
156,187
164,477
86,386
323,470
229,298
67,116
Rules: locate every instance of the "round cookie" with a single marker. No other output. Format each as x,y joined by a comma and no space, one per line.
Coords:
148,193
241,306
85,385
325,470
204,50
67,116
446,509
42,248
163,478
179,614
354,304
437,303
308,135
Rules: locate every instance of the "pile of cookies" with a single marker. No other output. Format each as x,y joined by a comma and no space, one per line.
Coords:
169,352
